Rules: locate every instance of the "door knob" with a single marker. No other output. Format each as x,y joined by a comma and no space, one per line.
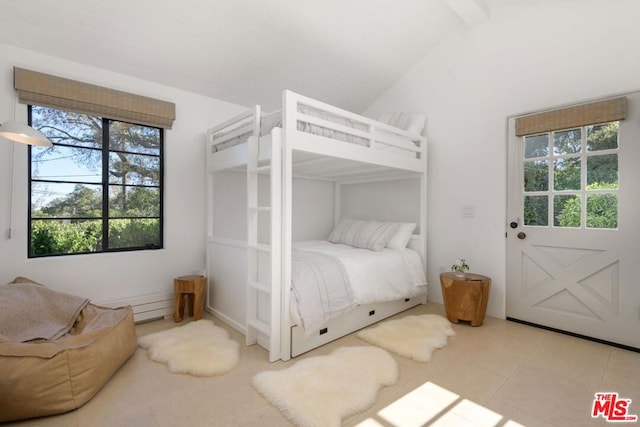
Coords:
521,235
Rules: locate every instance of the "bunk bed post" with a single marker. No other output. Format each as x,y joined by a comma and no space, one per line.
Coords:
276,320
208,196
337,203
423,208
252,324
289,111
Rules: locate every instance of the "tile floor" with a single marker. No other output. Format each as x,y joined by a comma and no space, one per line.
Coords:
499,374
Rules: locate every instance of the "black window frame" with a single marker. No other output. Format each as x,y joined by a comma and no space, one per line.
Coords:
104,183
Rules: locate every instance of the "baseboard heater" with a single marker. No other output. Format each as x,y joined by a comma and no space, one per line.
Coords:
146,307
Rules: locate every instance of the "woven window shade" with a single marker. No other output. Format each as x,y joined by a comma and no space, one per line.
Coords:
57,92
571,117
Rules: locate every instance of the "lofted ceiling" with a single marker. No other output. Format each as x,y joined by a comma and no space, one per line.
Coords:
345,52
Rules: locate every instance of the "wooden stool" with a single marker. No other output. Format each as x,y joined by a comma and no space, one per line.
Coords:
465,298
189,290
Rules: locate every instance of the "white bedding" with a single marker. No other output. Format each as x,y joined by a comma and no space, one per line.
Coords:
387,275
273,120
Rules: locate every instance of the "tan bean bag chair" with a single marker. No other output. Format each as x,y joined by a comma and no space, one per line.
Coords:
45,377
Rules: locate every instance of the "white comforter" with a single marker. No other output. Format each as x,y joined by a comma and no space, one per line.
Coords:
387,275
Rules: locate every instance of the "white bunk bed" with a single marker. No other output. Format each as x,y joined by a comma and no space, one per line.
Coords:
307,139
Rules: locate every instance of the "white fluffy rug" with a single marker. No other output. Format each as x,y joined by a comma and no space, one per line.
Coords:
198,348
414,337
321,390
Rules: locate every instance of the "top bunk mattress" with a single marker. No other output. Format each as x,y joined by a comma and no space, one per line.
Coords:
273,120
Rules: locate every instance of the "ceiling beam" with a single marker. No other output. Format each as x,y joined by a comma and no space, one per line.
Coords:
472,12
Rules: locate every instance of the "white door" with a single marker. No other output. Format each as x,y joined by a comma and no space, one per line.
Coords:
573,237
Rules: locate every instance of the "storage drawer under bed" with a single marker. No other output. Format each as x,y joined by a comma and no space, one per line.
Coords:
358,318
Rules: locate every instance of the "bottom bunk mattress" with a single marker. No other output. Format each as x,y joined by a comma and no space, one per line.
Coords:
331,279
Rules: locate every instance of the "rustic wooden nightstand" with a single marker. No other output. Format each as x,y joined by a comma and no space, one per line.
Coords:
189,291
465,298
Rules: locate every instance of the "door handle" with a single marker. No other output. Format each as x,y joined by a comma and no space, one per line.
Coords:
521,235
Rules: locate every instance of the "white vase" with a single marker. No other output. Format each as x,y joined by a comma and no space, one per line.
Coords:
459,274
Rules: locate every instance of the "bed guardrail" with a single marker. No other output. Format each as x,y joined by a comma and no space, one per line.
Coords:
303,114
301,111
246,123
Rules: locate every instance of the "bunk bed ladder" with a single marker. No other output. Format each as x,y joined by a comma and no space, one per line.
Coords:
263,287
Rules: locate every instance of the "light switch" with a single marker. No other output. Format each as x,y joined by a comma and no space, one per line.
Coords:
468,211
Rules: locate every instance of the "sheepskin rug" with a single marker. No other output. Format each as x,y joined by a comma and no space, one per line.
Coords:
414,337
321,390
198,348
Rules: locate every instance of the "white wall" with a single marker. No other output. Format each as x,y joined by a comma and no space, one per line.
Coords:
312,207
395,200
104,277
523,59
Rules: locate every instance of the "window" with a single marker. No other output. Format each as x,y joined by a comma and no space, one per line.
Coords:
572,175
570,165
97,189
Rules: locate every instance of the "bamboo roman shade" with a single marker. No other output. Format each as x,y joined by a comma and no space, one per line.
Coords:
57,92
579,115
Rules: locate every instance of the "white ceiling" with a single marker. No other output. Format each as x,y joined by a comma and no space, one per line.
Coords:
345,52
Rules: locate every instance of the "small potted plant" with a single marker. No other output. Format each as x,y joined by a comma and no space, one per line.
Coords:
460,267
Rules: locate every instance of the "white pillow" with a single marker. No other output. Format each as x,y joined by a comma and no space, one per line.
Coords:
403,234
411,122
372,235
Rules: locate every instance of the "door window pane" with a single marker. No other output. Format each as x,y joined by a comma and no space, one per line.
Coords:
536,146
602,210
566,174
602,171
567,141
567,210
536,210
602,137
536,175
